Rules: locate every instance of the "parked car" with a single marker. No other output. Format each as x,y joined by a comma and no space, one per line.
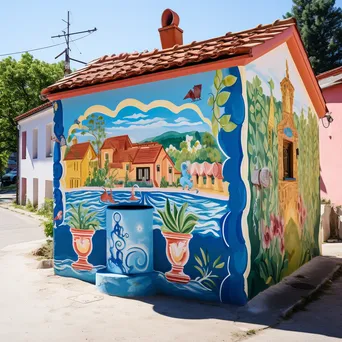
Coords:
9,177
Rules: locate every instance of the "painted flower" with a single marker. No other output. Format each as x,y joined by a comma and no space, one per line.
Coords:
301,211
277,226
282,246
266,237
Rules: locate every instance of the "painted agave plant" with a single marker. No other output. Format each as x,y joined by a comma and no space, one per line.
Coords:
81,218
177,220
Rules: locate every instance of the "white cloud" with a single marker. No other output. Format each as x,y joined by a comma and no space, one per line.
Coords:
136,116
158,124
119,122
181,119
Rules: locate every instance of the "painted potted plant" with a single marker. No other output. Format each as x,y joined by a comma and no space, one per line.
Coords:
176,229
82,227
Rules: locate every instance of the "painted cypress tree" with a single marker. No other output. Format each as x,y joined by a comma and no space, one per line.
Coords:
320,26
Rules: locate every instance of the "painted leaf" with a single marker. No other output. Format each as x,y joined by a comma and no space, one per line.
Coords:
250,149
212,283
203,256
217,260
199,270
229,80
217,82
224,119
199,261
216,111
222,98
219,74
221,265
229,127
269,280
211,100
251,109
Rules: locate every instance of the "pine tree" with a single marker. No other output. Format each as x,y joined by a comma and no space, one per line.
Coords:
320,26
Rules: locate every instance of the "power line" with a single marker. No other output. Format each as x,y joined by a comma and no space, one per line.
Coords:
41,48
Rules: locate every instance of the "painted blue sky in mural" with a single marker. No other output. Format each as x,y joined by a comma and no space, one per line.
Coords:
140,125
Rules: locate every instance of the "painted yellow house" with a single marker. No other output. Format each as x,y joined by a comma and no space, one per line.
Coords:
78,163
141,162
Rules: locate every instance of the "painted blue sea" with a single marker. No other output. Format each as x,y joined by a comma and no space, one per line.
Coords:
208,209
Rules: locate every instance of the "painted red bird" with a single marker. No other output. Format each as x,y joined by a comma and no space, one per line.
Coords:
195,93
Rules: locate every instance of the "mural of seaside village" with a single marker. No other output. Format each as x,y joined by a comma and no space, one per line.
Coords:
189,161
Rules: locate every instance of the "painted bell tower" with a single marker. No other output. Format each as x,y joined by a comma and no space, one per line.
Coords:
287,154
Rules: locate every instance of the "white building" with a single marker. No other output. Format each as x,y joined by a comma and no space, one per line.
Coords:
35,162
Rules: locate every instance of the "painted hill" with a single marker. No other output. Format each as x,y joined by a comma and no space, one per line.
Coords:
174,138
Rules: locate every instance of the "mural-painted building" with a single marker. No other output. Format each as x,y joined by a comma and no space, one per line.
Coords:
206,175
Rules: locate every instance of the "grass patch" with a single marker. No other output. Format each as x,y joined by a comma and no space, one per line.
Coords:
45,251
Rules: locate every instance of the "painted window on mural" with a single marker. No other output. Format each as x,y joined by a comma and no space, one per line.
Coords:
143,173
158,168
288,159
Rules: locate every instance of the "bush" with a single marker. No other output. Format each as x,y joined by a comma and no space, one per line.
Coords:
164,183
147,184
29,206
46,209
48,228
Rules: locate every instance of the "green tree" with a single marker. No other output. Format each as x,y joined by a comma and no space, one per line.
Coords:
208,140
94,126
320,26
20,85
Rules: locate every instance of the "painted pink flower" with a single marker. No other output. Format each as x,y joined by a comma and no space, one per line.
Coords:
281,224
282,246
266,237
301,211
277,226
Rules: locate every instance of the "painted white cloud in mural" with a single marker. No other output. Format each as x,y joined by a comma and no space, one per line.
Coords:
136,116
119,122
181,119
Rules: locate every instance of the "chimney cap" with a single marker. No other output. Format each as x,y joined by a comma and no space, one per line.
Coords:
169,18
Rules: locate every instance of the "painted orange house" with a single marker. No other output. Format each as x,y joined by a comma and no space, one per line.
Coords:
78,162
140,162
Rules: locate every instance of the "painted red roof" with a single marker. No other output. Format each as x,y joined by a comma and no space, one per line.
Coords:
119,142
33,111
78,151
147,154
125,65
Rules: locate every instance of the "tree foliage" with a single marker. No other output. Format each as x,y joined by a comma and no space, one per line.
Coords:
320,26
20,85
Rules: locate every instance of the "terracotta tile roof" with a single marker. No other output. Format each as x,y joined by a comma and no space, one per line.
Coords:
33,111
119,142
124,65
148,154
78,151
330,78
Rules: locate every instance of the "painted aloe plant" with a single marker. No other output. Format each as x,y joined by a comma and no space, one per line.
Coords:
81,218
206,269
177,220
217,99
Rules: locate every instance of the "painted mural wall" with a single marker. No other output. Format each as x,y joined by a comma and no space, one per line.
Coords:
175,147
283,218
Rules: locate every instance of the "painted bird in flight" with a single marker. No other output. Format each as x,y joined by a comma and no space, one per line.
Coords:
195,93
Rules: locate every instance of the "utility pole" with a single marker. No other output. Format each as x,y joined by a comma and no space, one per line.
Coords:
66,52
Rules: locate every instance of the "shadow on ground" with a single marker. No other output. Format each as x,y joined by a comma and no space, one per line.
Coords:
322,316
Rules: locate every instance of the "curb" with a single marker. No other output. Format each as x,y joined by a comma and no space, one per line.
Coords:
22,212
305,300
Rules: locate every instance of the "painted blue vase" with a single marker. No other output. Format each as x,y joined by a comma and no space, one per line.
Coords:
129,239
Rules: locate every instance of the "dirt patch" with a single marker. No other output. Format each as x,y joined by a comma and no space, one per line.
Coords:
45,251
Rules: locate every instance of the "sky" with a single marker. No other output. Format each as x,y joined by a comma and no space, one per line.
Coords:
124,26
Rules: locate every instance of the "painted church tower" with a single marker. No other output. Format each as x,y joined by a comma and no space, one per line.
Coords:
288,154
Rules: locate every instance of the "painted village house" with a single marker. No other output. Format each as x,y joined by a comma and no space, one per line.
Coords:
216,143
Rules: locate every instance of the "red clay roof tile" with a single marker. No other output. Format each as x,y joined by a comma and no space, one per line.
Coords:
77,151
124,65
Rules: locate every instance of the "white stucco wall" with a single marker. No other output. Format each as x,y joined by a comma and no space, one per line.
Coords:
41,167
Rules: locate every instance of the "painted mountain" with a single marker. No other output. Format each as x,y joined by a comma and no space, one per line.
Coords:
189,146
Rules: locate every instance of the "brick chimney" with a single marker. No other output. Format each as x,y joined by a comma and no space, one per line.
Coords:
170,33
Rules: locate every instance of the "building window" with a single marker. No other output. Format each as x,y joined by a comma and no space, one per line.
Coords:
170,169
23,145
35,144
49,141
143,173
48,189
158,168
127,167
106,156
76,166
288,160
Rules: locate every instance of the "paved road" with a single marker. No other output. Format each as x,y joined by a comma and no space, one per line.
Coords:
321,321
16,228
